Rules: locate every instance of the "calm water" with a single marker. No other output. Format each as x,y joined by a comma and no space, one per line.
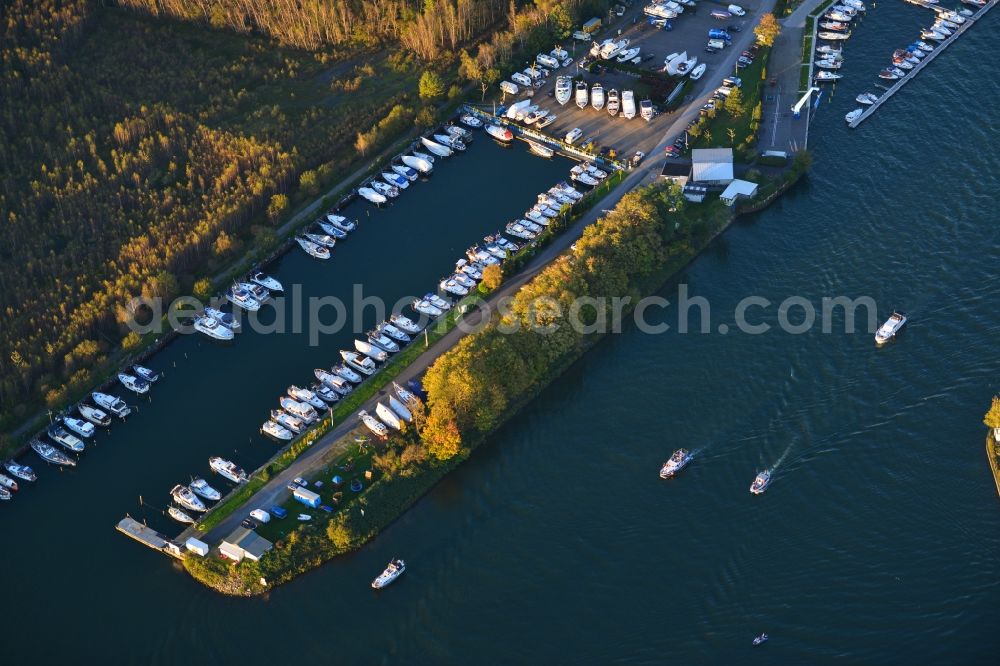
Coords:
879,539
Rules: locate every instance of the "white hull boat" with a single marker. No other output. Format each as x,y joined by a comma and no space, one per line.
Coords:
180,516
266,281
425,308
211,327
890,328
19,471
400,409
395,180
388,416
760,483
408,398
409,173
332,231
276,430
94,415
540,150
391,573
385,328
453,287
287,421
470,120
313,249
202,489
404,323
363,364
373,424
382,341
64,438
79,426
187,499
50,454
697,72
111,403
500,133
345,224
436,148
305,395
564,89
227,469
133,383
302,410
242,298
676,463
372,196
582,95
371,351
344,372
614,104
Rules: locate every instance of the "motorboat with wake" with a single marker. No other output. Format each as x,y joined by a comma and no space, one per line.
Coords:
391,573
761,482
202,489
113,404
373,424
94,415
890,328
363,364
676,462
760,639
227,469
19,471
312,249
50,454
187,499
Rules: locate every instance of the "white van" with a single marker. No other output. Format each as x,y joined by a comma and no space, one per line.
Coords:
736,10
533,73
518,77
508,87
573,135
713,44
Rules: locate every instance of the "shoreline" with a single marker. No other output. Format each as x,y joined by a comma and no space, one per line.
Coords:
233,583
992,457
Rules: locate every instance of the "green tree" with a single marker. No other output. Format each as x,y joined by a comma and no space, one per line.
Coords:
561,22
309,182
339,533
802,161
734,103
431,86
277,207
202,289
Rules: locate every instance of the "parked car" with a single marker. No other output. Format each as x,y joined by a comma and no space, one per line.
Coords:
736,10
637,158
734,28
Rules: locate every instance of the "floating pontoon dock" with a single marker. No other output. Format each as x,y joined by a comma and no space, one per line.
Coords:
891,90
147,536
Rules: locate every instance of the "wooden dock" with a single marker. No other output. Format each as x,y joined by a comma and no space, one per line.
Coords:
147,536
891,90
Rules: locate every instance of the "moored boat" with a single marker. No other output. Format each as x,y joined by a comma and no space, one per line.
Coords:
347,225
408,398
291,423
470,120
391,573
133,383
363,364
393,332
866,98
305,395
372,196
227,469
242,298
313,249
853,115
383,341
19,471
540,150
50,454
113,404
276,430
179,515
404,323
93,414
266,281
500,133
187,499
79,426
145,373
202,489
64,438
211,327
8,483
303,410
371,351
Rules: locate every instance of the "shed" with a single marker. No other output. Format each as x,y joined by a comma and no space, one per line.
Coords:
695,193
592,26
246,543
736,189
676,172
306,496
712,166
197,547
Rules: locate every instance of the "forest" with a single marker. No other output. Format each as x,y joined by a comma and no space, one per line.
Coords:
139,153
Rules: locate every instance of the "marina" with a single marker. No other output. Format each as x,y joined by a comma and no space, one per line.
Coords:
910,74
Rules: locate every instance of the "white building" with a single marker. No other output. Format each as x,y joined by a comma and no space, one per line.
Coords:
712,166
736,189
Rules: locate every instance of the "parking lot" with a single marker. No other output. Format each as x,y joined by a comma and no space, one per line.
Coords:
625,137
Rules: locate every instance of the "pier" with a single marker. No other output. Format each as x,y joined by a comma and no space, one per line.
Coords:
147,536
891,90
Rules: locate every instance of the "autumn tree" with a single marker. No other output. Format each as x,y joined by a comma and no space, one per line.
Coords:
992,418
767,30
309,182
431,86
202,289
339,532
492,278
276,207
734,103
441,435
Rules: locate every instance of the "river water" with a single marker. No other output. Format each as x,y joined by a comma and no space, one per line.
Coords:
878,541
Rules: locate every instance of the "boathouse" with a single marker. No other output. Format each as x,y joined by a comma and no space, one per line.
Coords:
246,543
736,189
712,166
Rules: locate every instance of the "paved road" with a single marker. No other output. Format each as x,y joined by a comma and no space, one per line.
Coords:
330,445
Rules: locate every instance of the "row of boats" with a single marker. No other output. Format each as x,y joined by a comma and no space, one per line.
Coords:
70,431
594,96
192,498
906,59
835,26
249,295
681,457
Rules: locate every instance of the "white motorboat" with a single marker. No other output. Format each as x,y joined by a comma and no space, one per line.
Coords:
890,328
437,301
202,489
614,104
388,416
409,173
305,395
540,150
113,404
853,115
760,483
395,180
324,392
11,485
546,121
385,189
453,287
145,373
94,415
64,438
507,246
500,133
436,148
5,495
530,226
536,217
827,76
614,49
834,36
424,307
383,341
584,178
492,248
363,364
924,46
697,72
888,75
828,64
312,249
582,94
400,409
50,454
391,573
687,66
373,424
673,65
347,225
133,383
266,281
371,351
242,298
302,410
387,329
277,431
227,469
290,423
322,240
628,105
25,473
942,28
480,256
344,372
259,293
628,54
337,383
564,89
518,110
933,34
212,328
404,323
836,19
332,231
408,398
470,120
372,196
458,133
597,96
518,231
451,141
187,499
179,515
827,49
534,116
897,71
903,64
866,98
79,426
